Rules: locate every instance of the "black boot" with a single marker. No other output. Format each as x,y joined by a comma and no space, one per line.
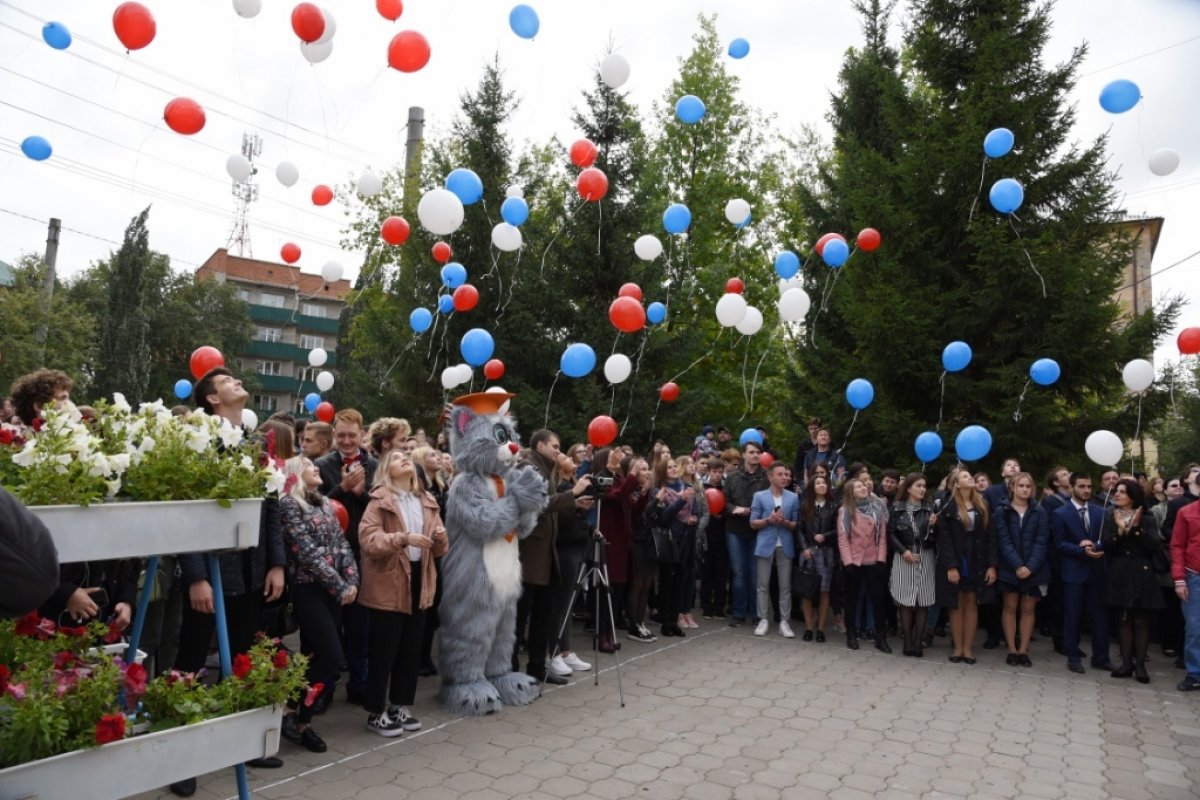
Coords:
1139,670
881,643
852,638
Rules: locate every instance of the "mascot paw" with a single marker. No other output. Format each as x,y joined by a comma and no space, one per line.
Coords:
471,699
517,688
529,489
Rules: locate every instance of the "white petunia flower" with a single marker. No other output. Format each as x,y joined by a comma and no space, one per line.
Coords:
118,463
157,407
28,454
230,436
246,463
119,403
114,486
198,439
276,480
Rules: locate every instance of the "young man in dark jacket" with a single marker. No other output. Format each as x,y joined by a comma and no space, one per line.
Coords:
740,488
28,560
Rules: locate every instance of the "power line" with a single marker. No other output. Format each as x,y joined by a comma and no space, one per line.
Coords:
1139,57
106,240
1183,260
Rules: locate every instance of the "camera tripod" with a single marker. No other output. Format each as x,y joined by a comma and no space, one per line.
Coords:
593,572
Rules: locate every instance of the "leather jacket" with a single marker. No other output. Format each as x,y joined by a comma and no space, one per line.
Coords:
910,531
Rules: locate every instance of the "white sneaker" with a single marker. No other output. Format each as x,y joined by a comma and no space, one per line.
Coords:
786,630
575,662
558,666
762,628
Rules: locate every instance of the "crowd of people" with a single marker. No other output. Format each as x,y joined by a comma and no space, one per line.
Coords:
349,554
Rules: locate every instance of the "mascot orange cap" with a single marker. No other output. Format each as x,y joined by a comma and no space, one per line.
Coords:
483,402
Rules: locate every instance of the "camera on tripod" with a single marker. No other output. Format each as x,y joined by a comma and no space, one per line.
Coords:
598,485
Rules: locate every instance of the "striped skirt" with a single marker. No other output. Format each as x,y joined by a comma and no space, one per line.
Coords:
915,584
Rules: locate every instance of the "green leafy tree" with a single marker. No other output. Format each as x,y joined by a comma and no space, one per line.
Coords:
1175,431
123,356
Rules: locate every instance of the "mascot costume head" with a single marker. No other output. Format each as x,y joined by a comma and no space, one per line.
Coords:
491,504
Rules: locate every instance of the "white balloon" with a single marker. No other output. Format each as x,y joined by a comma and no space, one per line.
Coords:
316,52
441,212
317,357
465,373
614,70
249,419
507,404
369,184
514,191
1138,375
647,247
507,237
330,26
751,323
1164,161
239,168
731,308
736,211
617,368
794,305
1105,448
287,173
324,380
449,377
331,272
794,282
247,9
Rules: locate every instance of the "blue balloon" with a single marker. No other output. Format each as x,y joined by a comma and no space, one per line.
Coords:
466,185
928,446
750,435
1044,371
677,218
524,22
973,443
835,253
1006,195
421,318
578,360
1120,96
998,143
655,313
454,275
36,148
446,304
739,48
183,388
311,401
56,35
515,211
860,392
476,347
956,356
690,109
787,264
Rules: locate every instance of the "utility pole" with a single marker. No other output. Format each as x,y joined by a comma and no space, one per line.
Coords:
412,154
43,328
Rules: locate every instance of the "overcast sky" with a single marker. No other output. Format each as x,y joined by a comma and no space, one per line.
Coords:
102,110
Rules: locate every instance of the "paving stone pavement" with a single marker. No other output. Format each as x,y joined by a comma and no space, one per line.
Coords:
724,714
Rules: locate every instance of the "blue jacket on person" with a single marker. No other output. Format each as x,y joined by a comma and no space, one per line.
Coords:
761,508
1023,543
1067,531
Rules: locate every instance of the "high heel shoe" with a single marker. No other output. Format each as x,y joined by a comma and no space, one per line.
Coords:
1139,670
1124,671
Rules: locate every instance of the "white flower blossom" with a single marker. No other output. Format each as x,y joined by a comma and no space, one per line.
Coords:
118,463
114,486
97,466
157,407
246,463
28,454
119,403
198,439
276,480
230,436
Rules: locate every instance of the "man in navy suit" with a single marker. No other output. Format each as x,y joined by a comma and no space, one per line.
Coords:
1075,528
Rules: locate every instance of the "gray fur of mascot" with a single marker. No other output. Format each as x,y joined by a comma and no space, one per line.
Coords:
481,572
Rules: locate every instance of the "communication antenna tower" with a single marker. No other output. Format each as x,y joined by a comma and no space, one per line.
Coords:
246,193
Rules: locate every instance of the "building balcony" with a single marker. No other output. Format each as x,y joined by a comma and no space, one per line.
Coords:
317,324
277,316
278,383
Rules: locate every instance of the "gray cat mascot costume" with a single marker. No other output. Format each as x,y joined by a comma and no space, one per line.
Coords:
491,504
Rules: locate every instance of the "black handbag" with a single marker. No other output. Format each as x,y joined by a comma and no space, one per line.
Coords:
663,545
806,582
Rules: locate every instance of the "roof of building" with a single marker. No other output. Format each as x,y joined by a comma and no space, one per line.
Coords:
1154,224
7,277
270,273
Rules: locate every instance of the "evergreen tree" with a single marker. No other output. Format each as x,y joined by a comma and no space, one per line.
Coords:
907,160
123,358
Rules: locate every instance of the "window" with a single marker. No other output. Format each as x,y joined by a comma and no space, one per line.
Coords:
265,333
314,310
300,409
272,300
307,374
267,368
245,295
266,402
311,342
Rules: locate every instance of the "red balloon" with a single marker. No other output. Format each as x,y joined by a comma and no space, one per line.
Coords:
290,253
442,252
408,52
343,516
669,392
602,431
1189,341
631,290
493,370
820,248
395,230
389,9
734,286
322,195
466,297
308,22
766,460
592,185
716,500
203,359
627,315
134,25
184,115
583,153
325,411
868,239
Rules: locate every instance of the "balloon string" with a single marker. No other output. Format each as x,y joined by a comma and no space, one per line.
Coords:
1026,252
557,233
654,418
978,191
1017,414
407,347
1137,432
687,269
549,397
701,358
437,318
616,341
942,402
633,383
599,224
612,400
499,285
512,283
848,430
754,385
745,359
667,268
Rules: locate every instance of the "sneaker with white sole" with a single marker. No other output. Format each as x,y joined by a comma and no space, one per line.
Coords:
762,627
557,666
384,725
646,632
576,663
405,720
786,630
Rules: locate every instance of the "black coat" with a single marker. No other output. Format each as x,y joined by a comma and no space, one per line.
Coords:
957,547
1023,543
330,466
243,571
1131,579
28,560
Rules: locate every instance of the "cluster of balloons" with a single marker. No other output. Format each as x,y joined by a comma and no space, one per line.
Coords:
456,375
734,312
315,28
626,313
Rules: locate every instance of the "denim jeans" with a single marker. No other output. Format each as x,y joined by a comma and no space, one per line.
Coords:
745,577
1191,616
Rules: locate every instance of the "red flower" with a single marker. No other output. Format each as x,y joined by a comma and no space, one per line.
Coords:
280,660
135,680
64,659
314,692
114,634
110,728
7,435
80,631
27,625
4,676
38,422
45,628
242,665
